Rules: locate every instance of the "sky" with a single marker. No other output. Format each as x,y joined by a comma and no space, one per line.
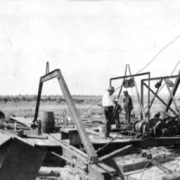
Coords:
90,41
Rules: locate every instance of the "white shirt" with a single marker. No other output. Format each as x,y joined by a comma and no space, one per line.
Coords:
107,100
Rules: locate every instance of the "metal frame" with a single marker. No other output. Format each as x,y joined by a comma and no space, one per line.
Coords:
134,75
172,92
89,163
82,132
174,89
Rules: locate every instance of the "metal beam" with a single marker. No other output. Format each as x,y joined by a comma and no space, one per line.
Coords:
133,75
38,100
174,89
152,101
171,95
161,77
82,132
159,98
118,152
47,67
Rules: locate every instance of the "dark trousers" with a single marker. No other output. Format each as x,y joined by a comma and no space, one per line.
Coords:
117,120
108,111
128,115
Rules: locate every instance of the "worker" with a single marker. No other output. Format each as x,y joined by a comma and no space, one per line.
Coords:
107,104
116,113
128,106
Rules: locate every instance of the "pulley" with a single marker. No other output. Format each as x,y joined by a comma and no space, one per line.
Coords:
128,83
169,83
158,84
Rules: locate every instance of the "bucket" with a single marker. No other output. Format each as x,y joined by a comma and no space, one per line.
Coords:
47,121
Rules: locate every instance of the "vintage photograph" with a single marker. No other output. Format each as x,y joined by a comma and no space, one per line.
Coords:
89,90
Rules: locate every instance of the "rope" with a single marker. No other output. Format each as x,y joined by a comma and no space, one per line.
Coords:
159,53
90,106
148,164
122,82
111,140
160,88
171,75
146,66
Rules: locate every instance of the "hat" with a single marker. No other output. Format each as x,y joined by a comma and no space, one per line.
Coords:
110,88
125,91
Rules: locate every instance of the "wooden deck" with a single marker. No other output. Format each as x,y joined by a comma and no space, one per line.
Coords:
164,165
136,167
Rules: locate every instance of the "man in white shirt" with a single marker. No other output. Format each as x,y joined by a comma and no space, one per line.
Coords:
107,104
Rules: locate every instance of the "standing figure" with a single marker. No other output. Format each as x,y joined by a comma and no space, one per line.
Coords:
117,111
128,106
107,104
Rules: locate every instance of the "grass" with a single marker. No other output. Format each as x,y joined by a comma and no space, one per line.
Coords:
27,108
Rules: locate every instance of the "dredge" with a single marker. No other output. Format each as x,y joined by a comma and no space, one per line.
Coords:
85,150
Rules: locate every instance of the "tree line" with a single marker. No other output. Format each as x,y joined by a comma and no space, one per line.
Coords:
48,98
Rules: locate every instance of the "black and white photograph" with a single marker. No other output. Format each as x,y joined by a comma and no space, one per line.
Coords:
89,90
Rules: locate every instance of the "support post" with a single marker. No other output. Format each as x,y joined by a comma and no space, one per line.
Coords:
82,132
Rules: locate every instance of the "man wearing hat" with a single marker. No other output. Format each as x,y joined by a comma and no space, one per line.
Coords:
128,106
107,104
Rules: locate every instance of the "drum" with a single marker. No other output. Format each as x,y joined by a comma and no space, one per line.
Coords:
47,121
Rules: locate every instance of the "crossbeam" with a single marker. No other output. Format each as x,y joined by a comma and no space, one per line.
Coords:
155,94
82,132
174,90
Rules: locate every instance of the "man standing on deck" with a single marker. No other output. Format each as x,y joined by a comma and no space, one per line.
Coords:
107,104
128,106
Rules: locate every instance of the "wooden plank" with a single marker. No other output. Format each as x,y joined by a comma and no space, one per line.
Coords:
115,153
154,173
68,130
22,120
99,169
47,142
102,141
56,135
138,176
173,176
50,171
107,168
134,162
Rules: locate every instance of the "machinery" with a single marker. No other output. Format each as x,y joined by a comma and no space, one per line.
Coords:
162,124
97,159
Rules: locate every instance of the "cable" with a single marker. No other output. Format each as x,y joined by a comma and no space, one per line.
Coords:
90,106
112,140
145,66
161,87
148,164
171,75
175,68
159,53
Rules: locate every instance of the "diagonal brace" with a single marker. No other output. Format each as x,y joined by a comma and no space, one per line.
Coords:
159,98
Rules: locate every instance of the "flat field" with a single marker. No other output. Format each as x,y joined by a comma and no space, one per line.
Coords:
88,106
